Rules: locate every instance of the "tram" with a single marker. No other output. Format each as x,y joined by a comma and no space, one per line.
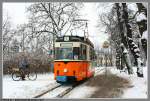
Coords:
74,59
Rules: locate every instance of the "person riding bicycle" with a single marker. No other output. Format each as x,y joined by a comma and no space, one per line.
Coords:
23,65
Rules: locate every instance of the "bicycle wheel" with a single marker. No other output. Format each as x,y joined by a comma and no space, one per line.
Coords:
32,76
16,76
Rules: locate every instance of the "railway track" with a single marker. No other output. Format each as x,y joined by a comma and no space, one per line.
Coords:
59,90
46,90
65,91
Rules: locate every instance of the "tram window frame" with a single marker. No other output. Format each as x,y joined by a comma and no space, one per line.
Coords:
91,54
76,51
56,52
94,55
83,51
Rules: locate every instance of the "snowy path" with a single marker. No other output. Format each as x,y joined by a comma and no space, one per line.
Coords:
139,89
26,89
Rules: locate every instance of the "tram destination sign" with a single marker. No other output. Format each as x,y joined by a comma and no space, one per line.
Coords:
66,44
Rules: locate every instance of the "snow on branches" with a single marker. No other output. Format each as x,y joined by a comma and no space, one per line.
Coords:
140,17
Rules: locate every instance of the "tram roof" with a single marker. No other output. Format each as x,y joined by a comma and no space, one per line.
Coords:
75,39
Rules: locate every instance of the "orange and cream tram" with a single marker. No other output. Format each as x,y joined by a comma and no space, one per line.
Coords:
74,57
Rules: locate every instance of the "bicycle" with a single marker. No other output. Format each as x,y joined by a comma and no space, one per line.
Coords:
17,74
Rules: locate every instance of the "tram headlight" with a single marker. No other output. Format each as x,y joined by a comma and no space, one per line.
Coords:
65,70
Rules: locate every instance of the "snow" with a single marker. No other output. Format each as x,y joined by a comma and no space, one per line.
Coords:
84,91
135,46
132,43
121,44
129,38
27,88
138,54
145,35
136,50
132,6
55,92
99,70
125,51
140,17
145,4
81,92
139,89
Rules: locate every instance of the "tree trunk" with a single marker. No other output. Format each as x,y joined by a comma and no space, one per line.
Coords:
118,59
142,26
122,62
126,59
133,47
124,44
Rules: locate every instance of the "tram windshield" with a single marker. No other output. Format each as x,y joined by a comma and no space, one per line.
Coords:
63,53
72,53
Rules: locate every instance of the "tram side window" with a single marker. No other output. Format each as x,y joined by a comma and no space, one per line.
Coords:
92,54
57,53
83,50
80,56
76,53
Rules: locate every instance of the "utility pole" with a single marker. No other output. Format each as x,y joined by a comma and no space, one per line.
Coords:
23,42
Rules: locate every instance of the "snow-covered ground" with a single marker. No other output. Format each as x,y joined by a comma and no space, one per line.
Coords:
140,85
81,92
26,89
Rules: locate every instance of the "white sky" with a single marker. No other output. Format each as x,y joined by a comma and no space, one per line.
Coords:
91,12
17,13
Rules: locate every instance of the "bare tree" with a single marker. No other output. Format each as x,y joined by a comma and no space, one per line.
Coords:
54,18
112,28
132,45
47,21
124,41
121,25
141,19
7,34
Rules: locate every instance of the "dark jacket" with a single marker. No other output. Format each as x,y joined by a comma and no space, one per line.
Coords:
23,63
